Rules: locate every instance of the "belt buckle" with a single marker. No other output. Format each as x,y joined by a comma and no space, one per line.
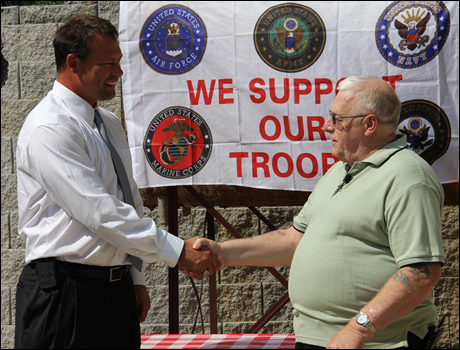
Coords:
117,276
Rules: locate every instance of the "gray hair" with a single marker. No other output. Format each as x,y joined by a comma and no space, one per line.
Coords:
373,95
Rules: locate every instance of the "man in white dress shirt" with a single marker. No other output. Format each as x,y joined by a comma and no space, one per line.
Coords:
76,290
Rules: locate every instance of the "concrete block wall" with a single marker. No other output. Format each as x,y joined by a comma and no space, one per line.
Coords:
244,294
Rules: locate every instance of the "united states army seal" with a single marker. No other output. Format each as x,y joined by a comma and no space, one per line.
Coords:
178,143
289,37
409,34
173,40
427,128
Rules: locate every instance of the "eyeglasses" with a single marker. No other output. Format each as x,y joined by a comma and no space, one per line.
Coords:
339,126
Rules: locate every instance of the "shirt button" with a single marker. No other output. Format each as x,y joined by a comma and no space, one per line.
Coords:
296,312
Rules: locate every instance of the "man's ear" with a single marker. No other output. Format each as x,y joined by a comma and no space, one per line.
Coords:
371,122
73,63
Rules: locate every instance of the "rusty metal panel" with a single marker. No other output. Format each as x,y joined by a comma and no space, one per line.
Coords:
230,196
239,196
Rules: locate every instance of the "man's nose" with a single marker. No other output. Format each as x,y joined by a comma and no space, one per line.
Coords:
118,71
328,126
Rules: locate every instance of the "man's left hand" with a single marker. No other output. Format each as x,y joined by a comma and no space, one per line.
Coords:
142,301
352,336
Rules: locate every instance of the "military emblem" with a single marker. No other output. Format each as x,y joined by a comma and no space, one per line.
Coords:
289,37
173,40
410,34
411,31
178,143
427,128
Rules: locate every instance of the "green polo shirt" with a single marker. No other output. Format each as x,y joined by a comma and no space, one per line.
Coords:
357,236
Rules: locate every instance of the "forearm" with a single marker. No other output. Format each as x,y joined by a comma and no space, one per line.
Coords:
404,291
275,248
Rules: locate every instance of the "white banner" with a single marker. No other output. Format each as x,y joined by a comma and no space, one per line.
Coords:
237,93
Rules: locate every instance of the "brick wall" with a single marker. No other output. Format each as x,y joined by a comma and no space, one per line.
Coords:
244,294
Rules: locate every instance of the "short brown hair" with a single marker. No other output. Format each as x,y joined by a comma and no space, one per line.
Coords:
75,34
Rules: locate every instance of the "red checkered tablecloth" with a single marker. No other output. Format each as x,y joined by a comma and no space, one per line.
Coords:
218,341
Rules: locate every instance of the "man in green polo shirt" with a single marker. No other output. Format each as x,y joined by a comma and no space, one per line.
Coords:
366,249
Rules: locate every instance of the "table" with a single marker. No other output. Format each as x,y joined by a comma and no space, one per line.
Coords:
217,341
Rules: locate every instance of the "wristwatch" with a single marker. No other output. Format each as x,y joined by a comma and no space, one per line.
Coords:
363,320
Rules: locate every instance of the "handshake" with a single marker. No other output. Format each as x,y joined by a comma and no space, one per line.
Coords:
200,258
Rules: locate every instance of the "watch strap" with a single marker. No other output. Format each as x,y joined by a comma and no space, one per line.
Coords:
371,327
368,324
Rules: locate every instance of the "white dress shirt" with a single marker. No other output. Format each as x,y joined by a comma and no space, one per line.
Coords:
70,205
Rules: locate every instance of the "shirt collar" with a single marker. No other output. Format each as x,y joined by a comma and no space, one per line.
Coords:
379,157
386,151
75,102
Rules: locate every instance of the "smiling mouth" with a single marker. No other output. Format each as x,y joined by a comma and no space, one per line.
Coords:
110,84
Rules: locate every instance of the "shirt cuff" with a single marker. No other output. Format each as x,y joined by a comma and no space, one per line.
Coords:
298,229
169,255
172,249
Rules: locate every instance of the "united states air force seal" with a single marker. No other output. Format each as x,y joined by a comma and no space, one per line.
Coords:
410,34
427,128
289,37
173,39
178,143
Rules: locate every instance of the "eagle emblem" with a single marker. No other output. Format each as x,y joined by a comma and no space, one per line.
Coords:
173,29
178,143
290,37
427,128
410,34
174,149
417,134
173,41
412,31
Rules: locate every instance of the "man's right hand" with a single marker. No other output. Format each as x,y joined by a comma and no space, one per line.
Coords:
213,246
195,261
274,248
201,243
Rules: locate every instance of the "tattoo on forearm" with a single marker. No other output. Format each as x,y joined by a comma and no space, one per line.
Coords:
416,269
400,276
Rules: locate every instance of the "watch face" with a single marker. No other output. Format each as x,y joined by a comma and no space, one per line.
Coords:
362,319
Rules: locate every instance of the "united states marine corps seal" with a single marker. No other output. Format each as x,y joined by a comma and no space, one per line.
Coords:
427,128
178,143
289,37
410,34
173,40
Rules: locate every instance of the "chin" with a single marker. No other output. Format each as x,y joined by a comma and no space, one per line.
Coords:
107,97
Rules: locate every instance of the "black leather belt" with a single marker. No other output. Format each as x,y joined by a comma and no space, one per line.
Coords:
108,273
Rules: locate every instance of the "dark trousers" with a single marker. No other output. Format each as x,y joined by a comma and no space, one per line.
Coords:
79,313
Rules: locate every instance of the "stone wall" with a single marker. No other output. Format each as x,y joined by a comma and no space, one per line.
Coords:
244,294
